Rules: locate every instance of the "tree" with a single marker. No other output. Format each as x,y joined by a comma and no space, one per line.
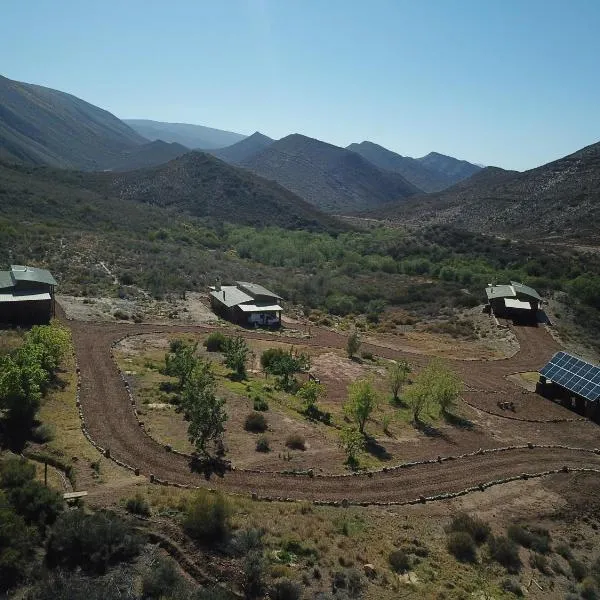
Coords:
397,376
180,361
436,385
204,410
54,339
236,355
284,365
362,400
351,442
310,393
353,344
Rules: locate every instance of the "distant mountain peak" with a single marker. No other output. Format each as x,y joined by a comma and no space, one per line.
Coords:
243,150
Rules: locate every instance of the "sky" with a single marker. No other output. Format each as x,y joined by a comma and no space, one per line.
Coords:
511,83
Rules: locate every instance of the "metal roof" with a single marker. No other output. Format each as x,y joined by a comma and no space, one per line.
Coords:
23,273
518,304
16,297
500,291
255,308
574,374
6,281
521,288
230,295
254,289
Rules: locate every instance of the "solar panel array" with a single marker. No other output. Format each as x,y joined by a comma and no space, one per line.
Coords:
574,374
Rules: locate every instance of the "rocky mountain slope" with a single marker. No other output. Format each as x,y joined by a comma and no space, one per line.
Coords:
191,136
244,150
448,165
557,200
333,179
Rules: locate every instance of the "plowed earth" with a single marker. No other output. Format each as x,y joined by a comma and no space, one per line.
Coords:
112,424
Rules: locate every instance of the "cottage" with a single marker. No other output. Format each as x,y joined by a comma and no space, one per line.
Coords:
246,304
26,296
515,300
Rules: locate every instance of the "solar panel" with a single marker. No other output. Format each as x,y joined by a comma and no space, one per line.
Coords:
574,374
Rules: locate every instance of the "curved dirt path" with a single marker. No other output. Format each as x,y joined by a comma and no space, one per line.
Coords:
112,424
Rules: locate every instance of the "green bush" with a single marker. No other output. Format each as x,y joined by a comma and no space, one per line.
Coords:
255,422
462,546
589,589
92,542
38,505
399,561
215,342
262,444
161,579
207,517
138,505
540,562
296,441
564,550
578,569
476,528
260,404
285,589
535,538
42,434
512,586
505,552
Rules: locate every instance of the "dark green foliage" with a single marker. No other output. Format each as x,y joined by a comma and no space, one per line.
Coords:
284,365
399,561
17,545
512,586
578,569
207,517
260,404
92,542
262,444
38,505
255,422
216,342
505,552
353,344
285,589
476,528
349,580
590,589
16,472
535,538
161,579
138,505
296,441
462,546
237,352
564,550
540,562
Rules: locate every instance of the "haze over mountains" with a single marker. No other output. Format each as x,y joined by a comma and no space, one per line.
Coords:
41,126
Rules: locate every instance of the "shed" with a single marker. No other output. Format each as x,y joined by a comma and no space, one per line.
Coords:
26,295
513,300
247,304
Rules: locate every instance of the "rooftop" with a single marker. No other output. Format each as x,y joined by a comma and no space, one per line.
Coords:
23,273
230,295
254,289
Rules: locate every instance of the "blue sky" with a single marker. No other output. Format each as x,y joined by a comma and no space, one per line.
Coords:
510,83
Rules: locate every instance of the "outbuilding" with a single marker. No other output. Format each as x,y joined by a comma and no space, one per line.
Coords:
514,300
26,296
248,304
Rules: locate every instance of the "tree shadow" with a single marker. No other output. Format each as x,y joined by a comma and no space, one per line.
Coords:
209,466
374,448
458,421
430,431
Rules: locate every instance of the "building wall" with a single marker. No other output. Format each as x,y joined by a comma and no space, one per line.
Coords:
33,312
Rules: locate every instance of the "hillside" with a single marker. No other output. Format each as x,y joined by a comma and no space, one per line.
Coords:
148,155
191,136
427,178
557,200
447,165
244,150
333,179
39,125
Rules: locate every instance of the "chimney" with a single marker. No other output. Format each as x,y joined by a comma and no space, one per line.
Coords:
218,285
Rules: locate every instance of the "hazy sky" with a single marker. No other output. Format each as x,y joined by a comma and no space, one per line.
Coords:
510,83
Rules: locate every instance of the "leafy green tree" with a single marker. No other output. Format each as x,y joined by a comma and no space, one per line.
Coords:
362,401
237,352
180,361
397,376
55,341
285,365
352,442
310,393
353,344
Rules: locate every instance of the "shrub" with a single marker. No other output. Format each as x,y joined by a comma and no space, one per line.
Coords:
92,542
565,551
296,441
512,586
207,517
255,422
476,528
262,444
589,589
505,552
215,342
161,579
399,561
138,506
260,404
285,589
540,562
121,315
43,433
578,569
536,539
37,504
462,546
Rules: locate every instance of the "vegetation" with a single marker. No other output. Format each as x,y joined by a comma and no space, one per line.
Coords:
352,442
284,365
353,344
310,393
255,422
462,546
504,551
397,375
535,538
476,528
237,352
296,441
362,401
138,505
262,444
399,561
207,517
216,342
